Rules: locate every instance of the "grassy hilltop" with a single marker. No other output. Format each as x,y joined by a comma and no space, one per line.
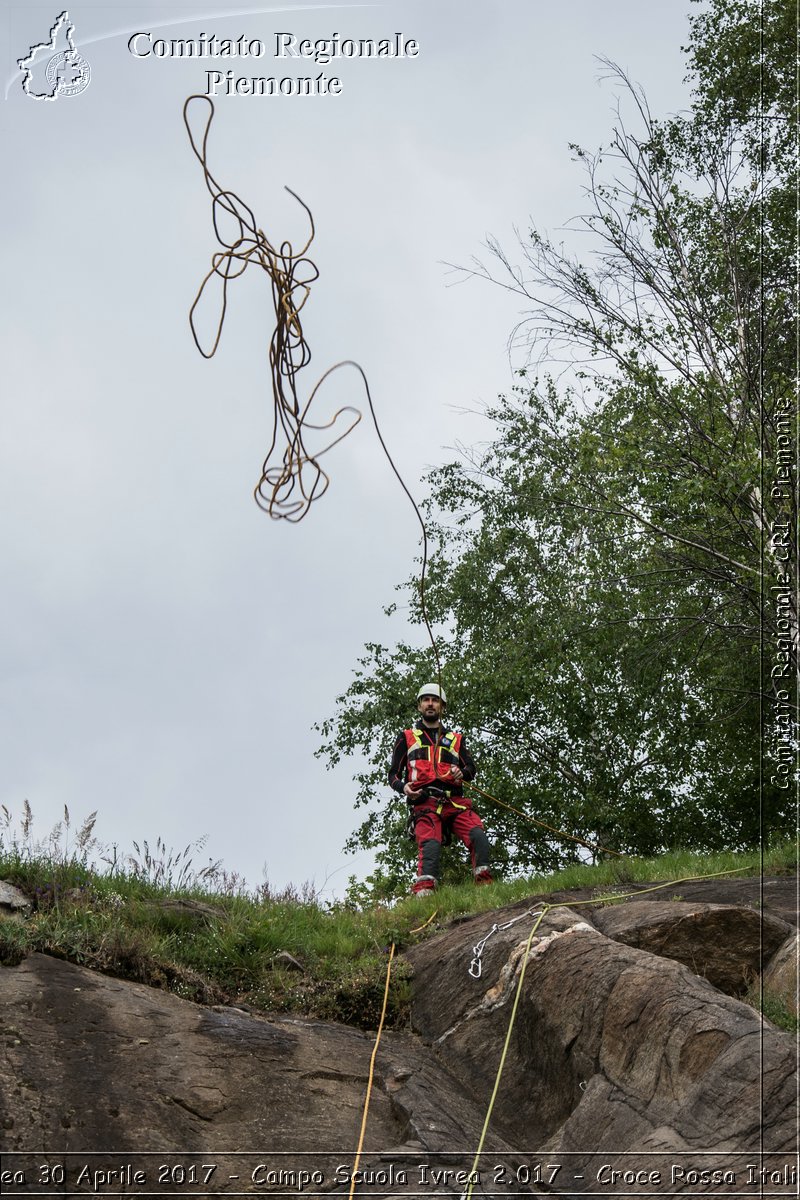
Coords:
202,935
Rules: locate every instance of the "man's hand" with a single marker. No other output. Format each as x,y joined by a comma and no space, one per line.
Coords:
411,791
456,774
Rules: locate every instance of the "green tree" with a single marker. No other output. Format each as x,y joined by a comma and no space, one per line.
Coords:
599,573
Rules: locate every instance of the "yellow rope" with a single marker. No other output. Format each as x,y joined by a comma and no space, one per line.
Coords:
506,1044
375,1053
372,1073
546,909
535,821
656,888
540,917
427,923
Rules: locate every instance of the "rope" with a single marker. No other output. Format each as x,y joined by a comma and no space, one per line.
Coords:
371,1074
655,888
420,928
476,968
546,908
506,1044
535,821
291,476
540,917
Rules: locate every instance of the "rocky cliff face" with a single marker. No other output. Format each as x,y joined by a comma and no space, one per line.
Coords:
632,1068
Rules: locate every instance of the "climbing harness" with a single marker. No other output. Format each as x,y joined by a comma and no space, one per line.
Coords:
476,966
440,797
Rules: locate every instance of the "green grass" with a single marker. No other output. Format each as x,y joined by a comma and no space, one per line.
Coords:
773,1006
201,936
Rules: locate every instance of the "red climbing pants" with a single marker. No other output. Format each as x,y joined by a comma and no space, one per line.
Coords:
465,824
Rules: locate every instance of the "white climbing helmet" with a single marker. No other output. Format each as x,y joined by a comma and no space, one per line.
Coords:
432,689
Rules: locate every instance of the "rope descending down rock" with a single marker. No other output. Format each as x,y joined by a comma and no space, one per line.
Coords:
475,970
371,1074
539,917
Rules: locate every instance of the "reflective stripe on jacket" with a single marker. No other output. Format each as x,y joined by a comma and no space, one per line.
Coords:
430,762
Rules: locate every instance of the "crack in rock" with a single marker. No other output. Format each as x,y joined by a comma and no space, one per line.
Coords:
204,1107
498,994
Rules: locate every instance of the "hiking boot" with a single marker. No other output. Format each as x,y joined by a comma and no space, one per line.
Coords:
483,875
423,885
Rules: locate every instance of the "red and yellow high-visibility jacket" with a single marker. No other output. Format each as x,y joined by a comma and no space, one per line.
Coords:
423,757
429,761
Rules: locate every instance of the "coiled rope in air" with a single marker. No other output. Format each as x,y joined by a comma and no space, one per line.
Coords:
291,475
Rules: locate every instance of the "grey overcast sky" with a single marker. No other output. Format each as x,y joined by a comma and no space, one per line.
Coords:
166,647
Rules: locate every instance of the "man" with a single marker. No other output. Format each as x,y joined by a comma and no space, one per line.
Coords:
429,766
